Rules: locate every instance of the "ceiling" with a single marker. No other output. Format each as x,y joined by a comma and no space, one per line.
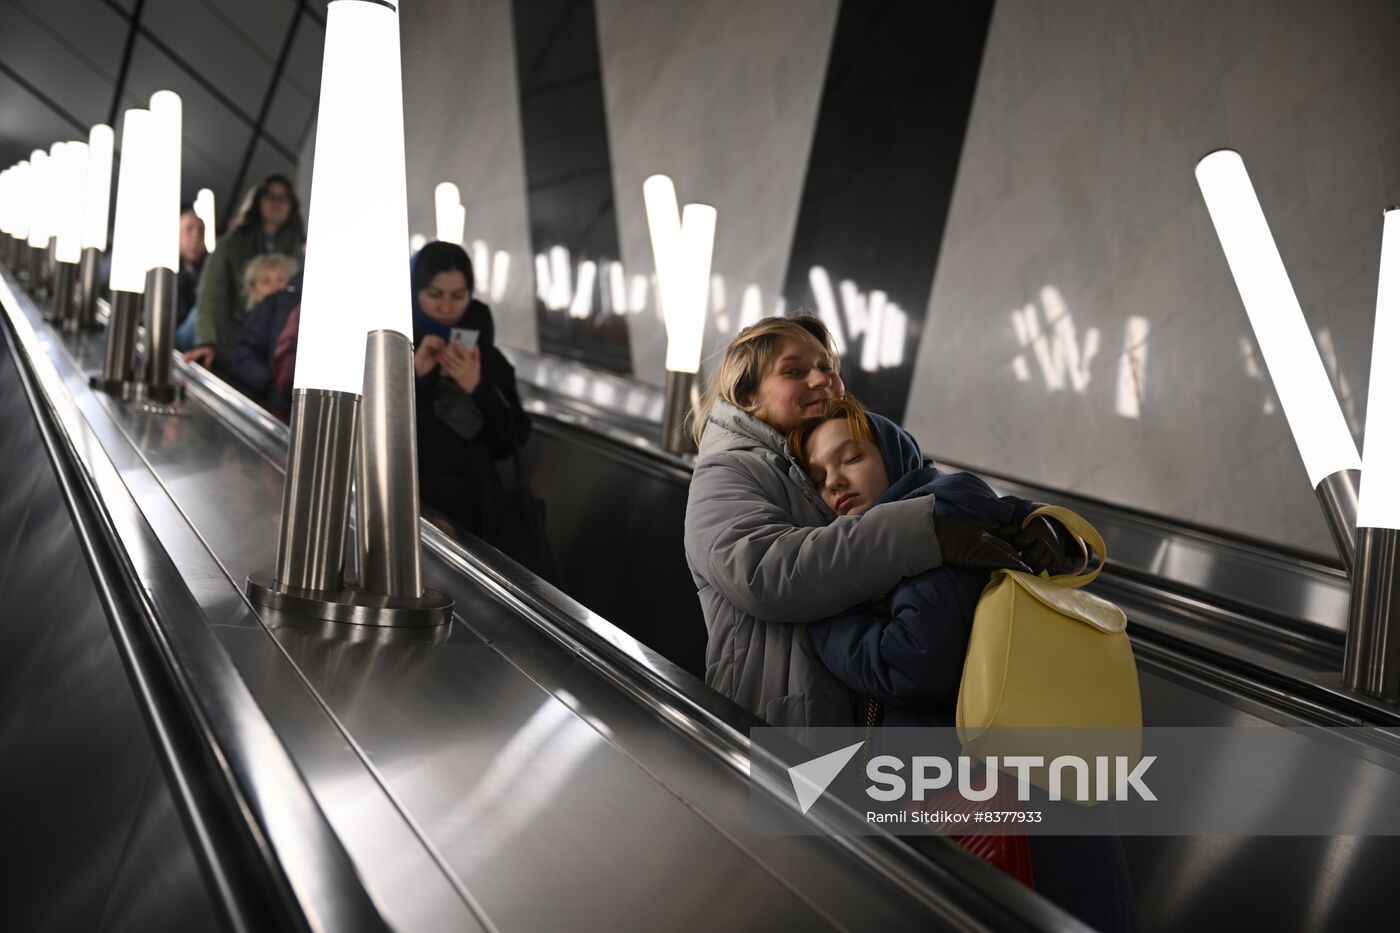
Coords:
248,71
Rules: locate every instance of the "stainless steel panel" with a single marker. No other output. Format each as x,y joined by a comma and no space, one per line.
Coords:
76,761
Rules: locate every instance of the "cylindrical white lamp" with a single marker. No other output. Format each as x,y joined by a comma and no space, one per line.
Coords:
354,295
40,222
97,203
127,277
1371,661
40,217
1326,445
15,211
451,215
162,236
204,210
682,245
70,172
72,180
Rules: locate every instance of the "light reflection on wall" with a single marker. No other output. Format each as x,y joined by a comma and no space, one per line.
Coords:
1255,372
879,323
587,289
1132,367
1065,362
1062,360
1334,369
583,290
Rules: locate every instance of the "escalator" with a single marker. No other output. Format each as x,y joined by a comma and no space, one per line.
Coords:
172,759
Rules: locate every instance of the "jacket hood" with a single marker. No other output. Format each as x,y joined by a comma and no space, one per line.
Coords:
898,448
732,428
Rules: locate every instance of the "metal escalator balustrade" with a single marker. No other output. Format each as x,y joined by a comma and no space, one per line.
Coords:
267,857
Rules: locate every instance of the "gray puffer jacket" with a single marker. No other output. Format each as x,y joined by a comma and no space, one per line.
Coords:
766,553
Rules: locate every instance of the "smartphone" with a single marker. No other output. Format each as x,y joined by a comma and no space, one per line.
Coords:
465,336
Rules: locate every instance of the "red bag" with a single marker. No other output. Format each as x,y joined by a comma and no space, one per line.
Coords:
1012,854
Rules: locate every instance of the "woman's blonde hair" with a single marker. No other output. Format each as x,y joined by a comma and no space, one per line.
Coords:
848,407
260,264
746,359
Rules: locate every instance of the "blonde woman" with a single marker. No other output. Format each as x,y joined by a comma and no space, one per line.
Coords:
767,554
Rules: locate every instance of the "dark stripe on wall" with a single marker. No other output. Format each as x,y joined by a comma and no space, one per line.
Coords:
274,86
890,128
568,166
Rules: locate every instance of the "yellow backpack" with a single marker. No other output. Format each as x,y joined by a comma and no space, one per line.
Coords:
1046,657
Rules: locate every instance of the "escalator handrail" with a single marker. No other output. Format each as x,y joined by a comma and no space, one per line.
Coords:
267,850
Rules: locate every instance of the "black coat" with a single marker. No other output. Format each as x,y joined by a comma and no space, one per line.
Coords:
468,451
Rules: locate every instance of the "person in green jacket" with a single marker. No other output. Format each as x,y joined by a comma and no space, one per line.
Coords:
268,221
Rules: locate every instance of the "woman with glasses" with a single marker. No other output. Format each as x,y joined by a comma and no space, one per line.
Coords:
267,222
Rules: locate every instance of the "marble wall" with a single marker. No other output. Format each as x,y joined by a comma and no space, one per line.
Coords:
462,124
722,96
1084,330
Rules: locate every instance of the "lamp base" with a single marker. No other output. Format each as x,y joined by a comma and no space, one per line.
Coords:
350,605
117,388
1371,658
680,399
168,394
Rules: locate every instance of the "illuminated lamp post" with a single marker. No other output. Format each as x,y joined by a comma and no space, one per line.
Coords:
354,340
1326,445
162,245
1371,663
70,173
451,215
204,210
7,213
12,220
97,200
39,219
682,246
129,254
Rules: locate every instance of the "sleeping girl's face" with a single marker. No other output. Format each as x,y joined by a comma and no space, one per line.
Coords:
849,474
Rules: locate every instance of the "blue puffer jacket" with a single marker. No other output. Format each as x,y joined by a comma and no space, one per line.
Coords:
908,653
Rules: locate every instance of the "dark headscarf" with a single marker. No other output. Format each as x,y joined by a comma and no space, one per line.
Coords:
433,259
898,448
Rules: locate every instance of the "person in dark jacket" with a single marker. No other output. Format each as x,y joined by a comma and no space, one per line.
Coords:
268,221
250,365
902,657
192,256
470,422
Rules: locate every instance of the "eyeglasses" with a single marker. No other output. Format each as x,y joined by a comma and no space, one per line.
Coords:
277,198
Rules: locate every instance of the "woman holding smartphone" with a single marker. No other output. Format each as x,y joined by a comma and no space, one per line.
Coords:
470,422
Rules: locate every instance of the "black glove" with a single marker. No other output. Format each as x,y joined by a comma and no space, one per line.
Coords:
1046,545
968,543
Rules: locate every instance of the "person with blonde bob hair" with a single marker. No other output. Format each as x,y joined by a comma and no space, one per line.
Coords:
767,554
